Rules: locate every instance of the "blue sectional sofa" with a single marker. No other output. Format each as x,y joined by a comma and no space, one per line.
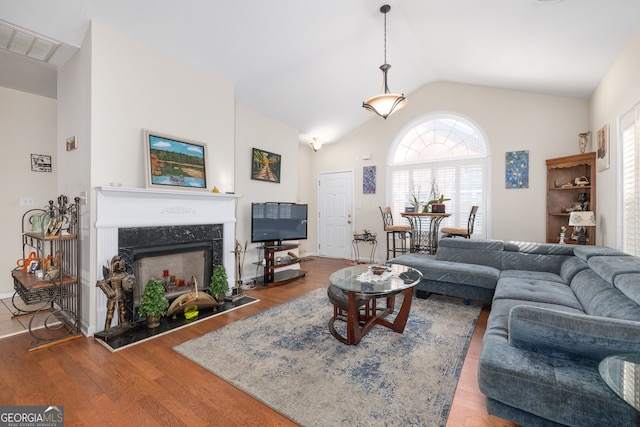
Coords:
556,311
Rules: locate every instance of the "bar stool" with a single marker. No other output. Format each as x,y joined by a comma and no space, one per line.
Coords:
462,232
394,232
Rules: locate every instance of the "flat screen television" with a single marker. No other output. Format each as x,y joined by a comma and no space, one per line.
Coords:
275,222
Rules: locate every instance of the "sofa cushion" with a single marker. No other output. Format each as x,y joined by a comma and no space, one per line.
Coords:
538,248
478,244
498,322
471,251
536,290
570,267
608,267
532,261
600,298
530,275
448,271
629,285
584,252
558,333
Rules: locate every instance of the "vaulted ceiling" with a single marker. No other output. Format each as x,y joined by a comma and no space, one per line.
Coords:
310,64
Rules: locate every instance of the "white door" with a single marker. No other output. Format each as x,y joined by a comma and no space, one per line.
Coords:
335,219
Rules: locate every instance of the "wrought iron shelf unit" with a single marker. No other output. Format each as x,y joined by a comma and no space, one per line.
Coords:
47,279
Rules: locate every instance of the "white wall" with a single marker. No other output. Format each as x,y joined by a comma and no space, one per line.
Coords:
257,131
74,119
113,89
27,126
547,126
618,91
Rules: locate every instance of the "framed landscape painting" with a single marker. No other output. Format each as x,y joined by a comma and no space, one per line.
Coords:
175,162
265,166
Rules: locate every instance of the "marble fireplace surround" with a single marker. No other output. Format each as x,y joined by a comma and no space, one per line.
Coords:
120,207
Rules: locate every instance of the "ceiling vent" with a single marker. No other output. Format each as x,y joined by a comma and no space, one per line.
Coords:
23,42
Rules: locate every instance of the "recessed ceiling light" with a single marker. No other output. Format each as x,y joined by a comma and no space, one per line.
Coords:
23,42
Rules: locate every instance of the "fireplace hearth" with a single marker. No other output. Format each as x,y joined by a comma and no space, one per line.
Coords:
139,331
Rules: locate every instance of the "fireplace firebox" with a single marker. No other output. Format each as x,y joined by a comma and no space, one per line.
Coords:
175,254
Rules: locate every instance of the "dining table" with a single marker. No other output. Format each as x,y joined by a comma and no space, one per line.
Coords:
425,227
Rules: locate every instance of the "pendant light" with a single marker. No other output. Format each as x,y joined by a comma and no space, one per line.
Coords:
387,103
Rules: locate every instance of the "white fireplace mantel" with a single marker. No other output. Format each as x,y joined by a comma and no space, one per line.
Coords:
141,207
121,207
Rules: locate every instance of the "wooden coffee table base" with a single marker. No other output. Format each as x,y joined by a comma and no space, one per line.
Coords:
362,313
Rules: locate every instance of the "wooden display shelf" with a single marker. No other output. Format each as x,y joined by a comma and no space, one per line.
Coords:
31,281
563,193
40,236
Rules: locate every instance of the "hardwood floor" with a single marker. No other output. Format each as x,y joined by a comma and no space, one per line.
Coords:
151,385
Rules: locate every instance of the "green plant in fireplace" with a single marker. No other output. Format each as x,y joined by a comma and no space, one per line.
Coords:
219,283
154,303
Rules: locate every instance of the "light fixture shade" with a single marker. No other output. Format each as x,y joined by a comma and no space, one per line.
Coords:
582,219
315,144
385,104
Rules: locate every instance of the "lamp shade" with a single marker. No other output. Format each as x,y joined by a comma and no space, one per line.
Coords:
582,219
385,104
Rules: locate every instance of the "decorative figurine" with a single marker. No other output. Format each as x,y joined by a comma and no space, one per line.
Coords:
116,283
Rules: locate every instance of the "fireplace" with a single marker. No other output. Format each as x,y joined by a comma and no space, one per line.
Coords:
175,254
142,225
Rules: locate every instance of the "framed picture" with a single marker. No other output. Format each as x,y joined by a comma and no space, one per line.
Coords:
265,166
369,180
175,162
602,154
517,169
40,163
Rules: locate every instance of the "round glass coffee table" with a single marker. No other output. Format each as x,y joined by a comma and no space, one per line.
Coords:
355,291
622,374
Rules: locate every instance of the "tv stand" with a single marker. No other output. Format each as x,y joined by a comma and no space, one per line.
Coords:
272,278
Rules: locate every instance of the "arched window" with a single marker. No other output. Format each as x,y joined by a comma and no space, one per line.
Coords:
443,153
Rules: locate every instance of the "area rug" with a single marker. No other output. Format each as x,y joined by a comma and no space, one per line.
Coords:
286,358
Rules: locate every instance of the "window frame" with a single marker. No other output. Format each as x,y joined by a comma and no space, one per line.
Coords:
460,215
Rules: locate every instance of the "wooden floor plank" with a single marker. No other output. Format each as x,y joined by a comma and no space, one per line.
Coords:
150,384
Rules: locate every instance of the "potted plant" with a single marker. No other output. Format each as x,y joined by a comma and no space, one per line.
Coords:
154,303
366,234
436,202
437,205
219,283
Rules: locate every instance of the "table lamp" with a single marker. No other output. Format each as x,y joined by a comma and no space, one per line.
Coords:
582,219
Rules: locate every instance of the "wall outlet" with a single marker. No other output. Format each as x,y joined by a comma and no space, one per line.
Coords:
27,201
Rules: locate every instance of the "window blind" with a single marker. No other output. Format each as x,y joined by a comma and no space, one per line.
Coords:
630,177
